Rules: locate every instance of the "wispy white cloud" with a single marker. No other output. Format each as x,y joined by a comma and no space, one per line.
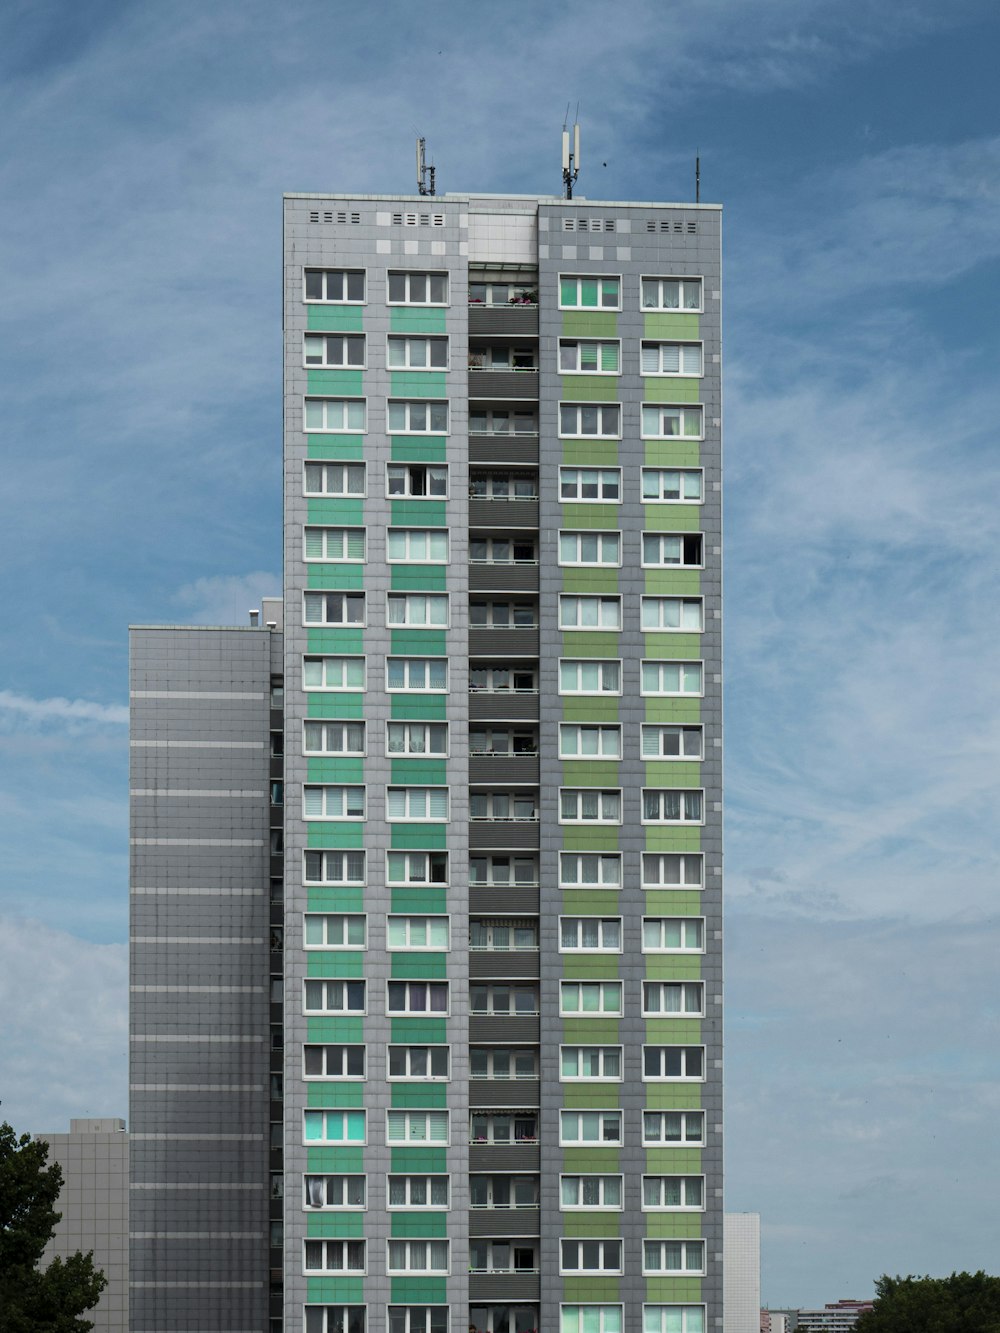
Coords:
226,599
21,707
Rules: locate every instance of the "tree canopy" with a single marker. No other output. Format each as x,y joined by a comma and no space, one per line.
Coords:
962,1303
33,1299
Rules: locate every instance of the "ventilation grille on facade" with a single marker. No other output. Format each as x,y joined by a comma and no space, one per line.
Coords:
353,218
588,224
690,227
418,219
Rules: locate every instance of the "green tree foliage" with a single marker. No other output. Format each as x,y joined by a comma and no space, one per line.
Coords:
33,1299
962,1303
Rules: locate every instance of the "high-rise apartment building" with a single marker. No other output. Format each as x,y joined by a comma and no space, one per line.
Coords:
492,846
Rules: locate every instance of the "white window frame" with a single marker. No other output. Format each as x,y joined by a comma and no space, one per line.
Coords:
589,500
325,788
327,300
332,408
414,1325
346,594
682,1207
408,405
344,1205
645,601
673,1078
337,1316
600,792
681,664
600,344
344,724
682,1142
591,1240
649,857
409,946
602,1077
592,1207
327,1113
408,795
328,465
682,344
410,983
328,853
406,339
661,499
609,870
684,793
412,862
326,982
650,731
672,277
425,753
606,602
693,1326
409,1076
409,599
683,921
649,432
513,1010
606,989
601,536
576,431
427,1242
410,495
335,1046
599,948
343,916
690,988
577,1112
599,278
323,659
600,727
408,534
580,662
334,365
428,1177
683,1242
513,1053
659,537
408,1118
332,1241
416,689
419,273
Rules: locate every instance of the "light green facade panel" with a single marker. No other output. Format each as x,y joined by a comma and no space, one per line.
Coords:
671,389
337,963
346,383
335,578
332,1096
589,388
347,448
345,512
404,319
417,384
418,448
589,323
345,835
334,319
674,325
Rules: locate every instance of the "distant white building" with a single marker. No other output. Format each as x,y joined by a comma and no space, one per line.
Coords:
838,1317
741,1272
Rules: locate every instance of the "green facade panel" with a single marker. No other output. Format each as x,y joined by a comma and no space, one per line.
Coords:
335,706
589,323
598,1225
673,902
348,836
581,1161
420,772
424,900
334,578
673,647
588,1032
334,319
672,453
345,448
590,902
588,580
348,642
337,963
433,1096
419,1290
667,1226
422,319
673,710
591,453
334,1160
674,1097
430,1225
418,837
421,1030
583,838
336,770
412,966
419,708
673,966
589,707
587,643
590,1290
419,1160
672,518
666,773
419,642
590,967
336,900
674,1031
418,448
348,513
330,1096
590,1096
420,513
673,838
335,1290
589,388
671,389
672,582
673,1161
671,324
419,578
417,384
335,1226
673,1289
591,516
346,383
590,773
342,1028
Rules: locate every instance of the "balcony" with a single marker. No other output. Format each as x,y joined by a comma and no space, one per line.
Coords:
486,899
502,383
503,575
504,1286
516,321
490,641
488,769
505,1094
502,1222
502,513
506,1028
504,835
503,706
503,448
504,965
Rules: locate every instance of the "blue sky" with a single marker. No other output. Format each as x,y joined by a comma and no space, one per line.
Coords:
143,152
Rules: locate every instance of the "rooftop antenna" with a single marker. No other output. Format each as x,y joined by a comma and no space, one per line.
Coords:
570,158
425,174
697,179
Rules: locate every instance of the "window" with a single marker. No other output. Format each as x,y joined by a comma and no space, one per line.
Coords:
333,1061
499,1063
669,742
415,804
417,609
591,484
595,292
503,1319
419,1191
502,421
424,1062
501,998
673,934
503,870
335,414
417,1256
418,288
590,1319
424,674
585,805
333,673
599,419
334,349
502,551
579,741
500,935
333,608
590,548
416,416
590,933
416,544
590,870
515,1127
671,358
416,738
334,1256
417,1126
673,1256
334,867
672,678
500,291
406,353
590,612
334,1191
673,1192
503,805
590,1192
334,1126
603,1063
334,284
503,615
418,481
503,486
678,421
587,1128
668,1127
417,997
335,930
503,1256
502,1192
590,676
672,870
585,357
504,357
667,806
333,738
333,802
418,932
590,997
673,1319
673,1062
502,680
335,1319
674,485
681,550
333,997
671,999
671,293
673,613
418,1319
334,479
502,741
590,1256
416,867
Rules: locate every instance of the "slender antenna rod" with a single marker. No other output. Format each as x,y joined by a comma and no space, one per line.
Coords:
426,183
570,157
697,180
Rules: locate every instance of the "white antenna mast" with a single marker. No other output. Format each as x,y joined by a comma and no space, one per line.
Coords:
570,156
425,173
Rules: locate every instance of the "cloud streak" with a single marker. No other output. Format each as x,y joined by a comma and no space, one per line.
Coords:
21,707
